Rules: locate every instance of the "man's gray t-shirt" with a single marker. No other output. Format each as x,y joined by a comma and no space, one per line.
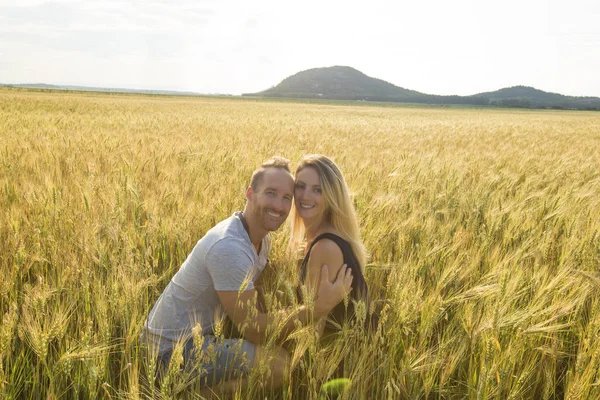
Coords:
224,259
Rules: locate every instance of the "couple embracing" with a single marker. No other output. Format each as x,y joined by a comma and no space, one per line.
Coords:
220,273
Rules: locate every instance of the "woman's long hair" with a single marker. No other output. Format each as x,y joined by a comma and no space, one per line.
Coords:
339,210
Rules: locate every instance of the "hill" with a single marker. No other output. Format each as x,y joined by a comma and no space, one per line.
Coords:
343,83
347,83
525,96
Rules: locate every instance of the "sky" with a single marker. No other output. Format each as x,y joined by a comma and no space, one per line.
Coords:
224,46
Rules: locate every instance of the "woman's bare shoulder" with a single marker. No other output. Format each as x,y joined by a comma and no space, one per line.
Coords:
326,252
326,246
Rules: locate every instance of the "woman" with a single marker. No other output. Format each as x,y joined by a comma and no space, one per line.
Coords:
324,216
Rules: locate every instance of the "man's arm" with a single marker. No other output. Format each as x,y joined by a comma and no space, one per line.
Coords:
241,307
260,287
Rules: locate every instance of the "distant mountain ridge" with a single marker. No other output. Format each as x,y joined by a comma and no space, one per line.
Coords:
347,83
98,89
527,96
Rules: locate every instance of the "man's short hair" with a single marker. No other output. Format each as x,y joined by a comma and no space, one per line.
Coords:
273,162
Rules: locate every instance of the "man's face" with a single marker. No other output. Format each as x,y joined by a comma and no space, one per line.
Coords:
271,202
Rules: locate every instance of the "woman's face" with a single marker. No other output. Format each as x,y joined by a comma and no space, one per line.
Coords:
308,197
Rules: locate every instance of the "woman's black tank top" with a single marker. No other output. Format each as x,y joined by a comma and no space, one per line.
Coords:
340,314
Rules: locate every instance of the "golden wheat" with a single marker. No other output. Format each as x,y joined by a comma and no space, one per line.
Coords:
483,227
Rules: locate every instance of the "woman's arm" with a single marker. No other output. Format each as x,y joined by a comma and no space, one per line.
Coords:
324,252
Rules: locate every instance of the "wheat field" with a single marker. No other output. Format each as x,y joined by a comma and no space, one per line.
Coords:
483,227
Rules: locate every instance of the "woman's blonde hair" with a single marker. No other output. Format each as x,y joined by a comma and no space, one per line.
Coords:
338,210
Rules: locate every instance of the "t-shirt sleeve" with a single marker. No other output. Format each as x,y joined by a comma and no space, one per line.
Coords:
230,266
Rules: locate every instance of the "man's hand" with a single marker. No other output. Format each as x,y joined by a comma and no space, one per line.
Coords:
329,293
253,324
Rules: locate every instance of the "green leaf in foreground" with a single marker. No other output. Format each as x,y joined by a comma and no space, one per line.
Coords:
335,387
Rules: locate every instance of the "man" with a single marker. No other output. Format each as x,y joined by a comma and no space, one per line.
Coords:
219,275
